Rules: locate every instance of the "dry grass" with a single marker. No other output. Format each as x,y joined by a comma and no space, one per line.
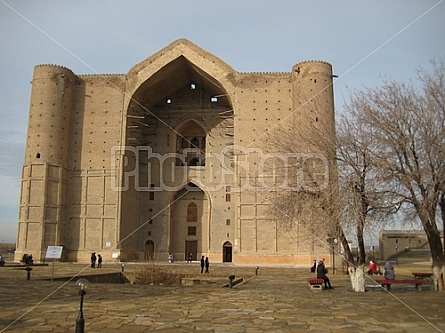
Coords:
153,274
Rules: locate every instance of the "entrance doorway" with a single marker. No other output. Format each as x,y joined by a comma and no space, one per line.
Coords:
189,222
227,252
191,247
149,250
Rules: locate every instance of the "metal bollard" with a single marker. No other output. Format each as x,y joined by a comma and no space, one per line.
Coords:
28,273
231,278
256,270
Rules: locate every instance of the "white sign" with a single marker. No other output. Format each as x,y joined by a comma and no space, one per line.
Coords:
54,252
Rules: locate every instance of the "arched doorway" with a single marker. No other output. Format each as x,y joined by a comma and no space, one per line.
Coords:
189,223
227,252
149,250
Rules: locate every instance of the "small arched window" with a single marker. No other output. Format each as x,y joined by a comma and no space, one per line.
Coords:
192,212
38,155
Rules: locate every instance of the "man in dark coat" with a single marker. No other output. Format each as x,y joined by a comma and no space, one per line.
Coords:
202,264
93,260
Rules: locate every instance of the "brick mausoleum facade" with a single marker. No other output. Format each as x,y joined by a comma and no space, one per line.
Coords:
169,158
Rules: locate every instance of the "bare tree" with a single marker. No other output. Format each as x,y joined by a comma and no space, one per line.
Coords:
408,128
355,164
310,194
348,199
363,198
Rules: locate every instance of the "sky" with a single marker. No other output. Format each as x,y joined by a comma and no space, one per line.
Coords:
365,41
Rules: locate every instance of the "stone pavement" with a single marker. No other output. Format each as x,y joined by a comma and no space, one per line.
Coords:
275,300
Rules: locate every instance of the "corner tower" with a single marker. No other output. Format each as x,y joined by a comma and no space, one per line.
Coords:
45,170
313,94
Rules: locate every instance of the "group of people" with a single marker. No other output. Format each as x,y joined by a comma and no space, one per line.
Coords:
388,270
205,263
94,259
27,259
320,269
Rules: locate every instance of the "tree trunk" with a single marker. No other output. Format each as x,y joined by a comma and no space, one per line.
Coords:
437,252
438,262
357,276
360,240
344,242
438,277
439,272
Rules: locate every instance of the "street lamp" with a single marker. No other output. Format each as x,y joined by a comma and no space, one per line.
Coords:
372,250
81,285
333,242
397,255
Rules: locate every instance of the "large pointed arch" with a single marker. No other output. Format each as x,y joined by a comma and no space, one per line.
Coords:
208,63
181,63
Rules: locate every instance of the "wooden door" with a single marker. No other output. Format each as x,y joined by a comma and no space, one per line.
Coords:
191,247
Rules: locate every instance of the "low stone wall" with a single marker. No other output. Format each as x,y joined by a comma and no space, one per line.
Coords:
100,278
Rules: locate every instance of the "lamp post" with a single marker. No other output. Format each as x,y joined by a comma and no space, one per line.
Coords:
81,285
397,255
372,250
334,243
28,272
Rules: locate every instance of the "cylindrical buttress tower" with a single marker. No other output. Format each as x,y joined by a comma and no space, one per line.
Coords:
313,94
45,170
314,118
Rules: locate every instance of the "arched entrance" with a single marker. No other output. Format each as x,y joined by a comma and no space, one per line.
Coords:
189,223
227,252
149,250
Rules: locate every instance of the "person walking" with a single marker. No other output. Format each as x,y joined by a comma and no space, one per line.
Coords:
321,274
93,260
99,261
202,264
207,264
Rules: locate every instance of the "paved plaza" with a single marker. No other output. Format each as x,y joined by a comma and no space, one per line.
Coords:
276,300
